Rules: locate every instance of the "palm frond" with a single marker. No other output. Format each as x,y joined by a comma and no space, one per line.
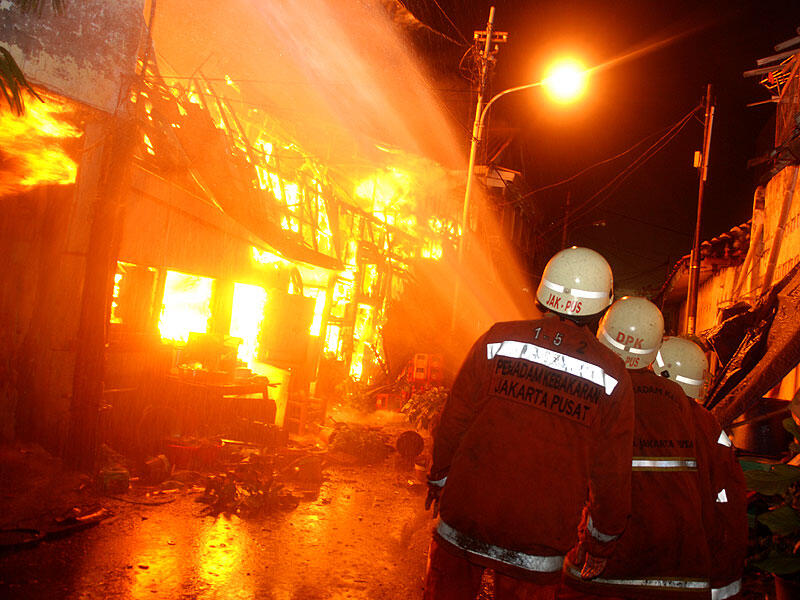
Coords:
13,82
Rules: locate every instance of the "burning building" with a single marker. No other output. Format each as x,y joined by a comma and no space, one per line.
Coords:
185,241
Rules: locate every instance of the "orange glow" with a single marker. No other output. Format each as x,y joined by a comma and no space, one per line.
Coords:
387,194
319,306
115,297
246,315
186,307
31,149
363,335
566,81
402,194
264,257
221,550
149,145
332,342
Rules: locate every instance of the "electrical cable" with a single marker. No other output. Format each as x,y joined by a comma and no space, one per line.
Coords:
449,20
597,164
618,280
617,180
615,183
432,29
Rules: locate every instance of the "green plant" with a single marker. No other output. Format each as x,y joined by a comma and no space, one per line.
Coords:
774,512
425,406
356,395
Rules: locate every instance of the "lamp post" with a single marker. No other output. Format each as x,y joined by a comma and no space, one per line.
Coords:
694,265
564,82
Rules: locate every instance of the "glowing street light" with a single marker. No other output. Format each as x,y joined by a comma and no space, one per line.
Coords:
565,81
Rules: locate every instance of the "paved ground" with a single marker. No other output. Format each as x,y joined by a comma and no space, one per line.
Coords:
362,534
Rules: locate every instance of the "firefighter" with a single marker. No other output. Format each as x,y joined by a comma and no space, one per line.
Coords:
684,362
666,549
540,418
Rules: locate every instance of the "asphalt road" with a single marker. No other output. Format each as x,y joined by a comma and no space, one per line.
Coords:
362,534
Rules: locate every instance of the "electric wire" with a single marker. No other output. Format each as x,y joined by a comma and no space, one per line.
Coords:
592,202
615,183
618,280
597,164
433,29
449,20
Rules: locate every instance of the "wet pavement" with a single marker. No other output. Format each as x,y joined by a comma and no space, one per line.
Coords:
363,534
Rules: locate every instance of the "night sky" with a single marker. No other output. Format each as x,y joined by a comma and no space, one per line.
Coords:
644,224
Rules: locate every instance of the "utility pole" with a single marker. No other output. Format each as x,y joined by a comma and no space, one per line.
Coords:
566,219
694,268
488,37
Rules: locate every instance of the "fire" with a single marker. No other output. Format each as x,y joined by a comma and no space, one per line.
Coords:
31,146
186,307
246,316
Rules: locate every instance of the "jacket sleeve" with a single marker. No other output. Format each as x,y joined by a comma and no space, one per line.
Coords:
465,402
725,509
610,474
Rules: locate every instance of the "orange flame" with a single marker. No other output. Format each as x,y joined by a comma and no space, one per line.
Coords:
31,147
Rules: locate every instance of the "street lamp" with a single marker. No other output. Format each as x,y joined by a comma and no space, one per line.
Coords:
565,82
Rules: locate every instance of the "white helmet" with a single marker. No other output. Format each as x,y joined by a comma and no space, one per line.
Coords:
632,328
576,281
685,363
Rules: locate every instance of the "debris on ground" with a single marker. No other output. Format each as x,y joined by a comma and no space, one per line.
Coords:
76,519
245,493
368,444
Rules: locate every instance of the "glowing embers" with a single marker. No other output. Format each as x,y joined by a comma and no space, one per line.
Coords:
186,307
246,316
31,146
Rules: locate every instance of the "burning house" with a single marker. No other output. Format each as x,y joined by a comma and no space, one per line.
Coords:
182,253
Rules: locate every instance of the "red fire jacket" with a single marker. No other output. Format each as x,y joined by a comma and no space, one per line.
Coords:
677,486
539,420
726,516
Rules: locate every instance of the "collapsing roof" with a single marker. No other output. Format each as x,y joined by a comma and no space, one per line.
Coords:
768,350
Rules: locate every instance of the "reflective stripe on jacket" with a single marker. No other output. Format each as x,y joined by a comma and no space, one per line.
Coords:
666,584
725,512
528,562
729,591
663,552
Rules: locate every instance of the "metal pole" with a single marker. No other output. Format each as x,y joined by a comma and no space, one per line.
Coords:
477,127
694,268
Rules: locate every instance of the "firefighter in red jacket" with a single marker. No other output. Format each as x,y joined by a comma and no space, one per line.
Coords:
666,550
538,423
685,363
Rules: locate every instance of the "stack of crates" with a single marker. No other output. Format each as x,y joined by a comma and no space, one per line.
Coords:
425,370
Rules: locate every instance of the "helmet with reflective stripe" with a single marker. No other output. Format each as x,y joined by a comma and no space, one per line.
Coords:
633,328
685,363
576,281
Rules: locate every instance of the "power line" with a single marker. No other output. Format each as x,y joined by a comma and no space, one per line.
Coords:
458,31
432,29
644,222
597,164
617,180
